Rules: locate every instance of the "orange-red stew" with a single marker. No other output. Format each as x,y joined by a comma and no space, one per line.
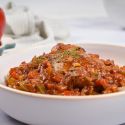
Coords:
67,70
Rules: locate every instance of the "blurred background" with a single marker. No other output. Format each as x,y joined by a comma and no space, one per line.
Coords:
63,9
69,20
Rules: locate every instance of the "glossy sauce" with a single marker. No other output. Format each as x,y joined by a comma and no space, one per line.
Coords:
67,70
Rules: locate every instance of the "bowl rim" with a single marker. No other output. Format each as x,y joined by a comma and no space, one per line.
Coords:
62,97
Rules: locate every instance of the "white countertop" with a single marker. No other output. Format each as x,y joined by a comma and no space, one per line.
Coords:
99,30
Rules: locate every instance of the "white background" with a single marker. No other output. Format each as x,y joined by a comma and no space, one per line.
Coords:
63,8
87,19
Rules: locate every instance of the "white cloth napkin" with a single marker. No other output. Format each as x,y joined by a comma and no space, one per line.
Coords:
25,27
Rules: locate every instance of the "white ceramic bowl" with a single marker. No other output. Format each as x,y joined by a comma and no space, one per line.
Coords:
37,109
116,11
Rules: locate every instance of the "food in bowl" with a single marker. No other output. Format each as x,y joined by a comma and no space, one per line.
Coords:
67,70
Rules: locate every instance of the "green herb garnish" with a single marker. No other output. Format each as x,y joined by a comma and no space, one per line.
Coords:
72,52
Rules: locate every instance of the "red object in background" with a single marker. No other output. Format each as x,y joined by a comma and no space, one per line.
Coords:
2,23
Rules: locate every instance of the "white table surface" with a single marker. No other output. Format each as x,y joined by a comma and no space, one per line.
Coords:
99,30
94,26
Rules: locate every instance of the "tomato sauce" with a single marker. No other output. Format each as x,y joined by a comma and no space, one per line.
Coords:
67,70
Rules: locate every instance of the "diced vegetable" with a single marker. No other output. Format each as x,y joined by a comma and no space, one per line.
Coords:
67,70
